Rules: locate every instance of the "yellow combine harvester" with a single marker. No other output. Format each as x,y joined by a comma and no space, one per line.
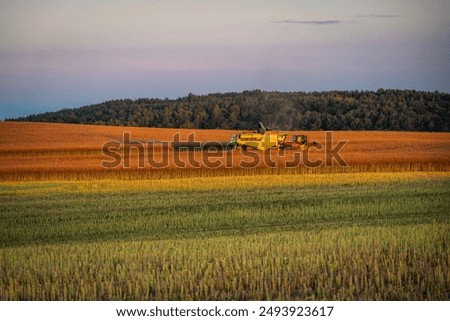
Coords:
265,139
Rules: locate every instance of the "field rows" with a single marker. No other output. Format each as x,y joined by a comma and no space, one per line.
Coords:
377,229
408,262
205,184
71,217
374,236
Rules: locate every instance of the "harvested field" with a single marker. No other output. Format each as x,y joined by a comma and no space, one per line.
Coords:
354,236
221,225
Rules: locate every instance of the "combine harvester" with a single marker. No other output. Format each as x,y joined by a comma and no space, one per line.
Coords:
263,139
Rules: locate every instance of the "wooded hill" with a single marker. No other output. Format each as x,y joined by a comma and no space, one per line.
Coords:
404,110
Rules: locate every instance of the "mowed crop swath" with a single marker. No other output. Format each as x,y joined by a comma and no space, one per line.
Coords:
30,151
72,230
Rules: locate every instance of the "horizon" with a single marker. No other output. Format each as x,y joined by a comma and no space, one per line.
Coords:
56,55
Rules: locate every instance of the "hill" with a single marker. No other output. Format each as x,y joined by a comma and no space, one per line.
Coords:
396,110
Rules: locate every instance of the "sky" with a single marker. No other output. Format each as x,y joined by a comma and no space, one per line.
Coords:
58,54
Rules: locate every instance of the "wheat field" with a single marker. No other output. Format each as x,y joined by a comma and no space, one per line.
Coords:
39,151
377,229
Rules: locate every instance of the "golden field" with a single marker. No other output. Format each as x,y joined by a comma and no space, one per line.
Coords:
41,151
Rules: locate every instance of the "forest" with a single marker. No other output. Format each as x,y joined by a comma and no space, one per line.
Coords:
384,109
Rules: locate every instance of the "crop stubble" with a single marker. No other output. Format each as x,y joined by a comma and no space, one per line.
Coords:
377,230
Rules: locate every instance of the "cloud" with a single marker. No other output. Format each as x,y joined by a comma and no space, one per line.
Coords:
335,22
378,16
310,22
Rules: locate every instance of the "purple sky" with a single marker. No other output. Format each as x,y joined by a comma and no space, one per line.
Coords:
57,54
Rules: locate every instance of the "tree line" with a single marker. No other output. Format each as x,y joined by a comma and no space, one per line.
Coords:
403,110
